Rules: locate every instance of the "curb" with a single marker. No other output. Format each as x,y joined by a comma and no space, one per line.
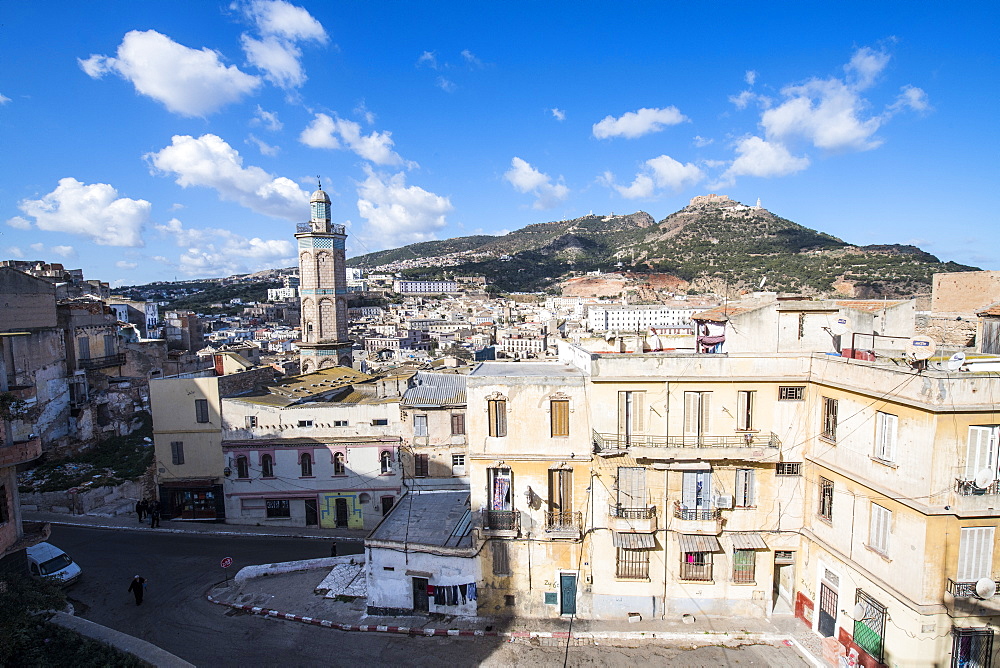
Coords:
346,539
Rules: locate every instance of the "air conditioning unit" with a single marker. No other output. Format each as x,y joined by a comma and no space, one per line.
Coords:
724,501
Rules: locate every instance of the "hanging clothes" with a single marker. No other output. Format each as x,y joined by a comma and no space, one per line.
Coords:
430,590
472,591
463,589
439,596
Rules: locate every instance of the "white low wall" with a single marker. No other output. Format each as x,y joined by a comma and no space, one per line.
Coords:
250,572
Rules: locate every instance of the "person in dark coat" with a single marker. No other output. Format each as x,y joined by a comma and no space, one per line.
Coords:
140,509
137,588
154,515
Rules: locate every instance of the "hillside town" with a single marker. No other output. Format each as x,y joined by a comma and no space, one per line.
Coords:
537,457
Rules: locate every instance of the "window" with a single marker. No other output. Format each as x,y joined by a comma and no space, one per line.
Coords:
385,459
380,422
501,558
879,529
267,466
981,451
697,420
559,418
4,509
631,488
251,421
201,410
278,508
306,463
791,393
975,554
420,466
242,467
744,564
632,564
826,499
305,423
500,489
84,344
458,464
457,424
885,436
419,425
972,647
338,464
869,629
110,344
630,415
696,566
829,419
340,423
176,453
560,498
745,488
788,468
696,490
744,410
497,412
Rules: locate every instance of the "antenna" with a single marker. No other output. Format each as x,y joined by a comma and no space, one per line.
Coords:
841,326
763,280
984,478
955,362
986,588
920,347
858,613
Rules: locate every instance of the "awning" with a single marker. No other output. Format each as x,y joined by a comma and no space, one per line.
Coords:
747,541
634,541
693,543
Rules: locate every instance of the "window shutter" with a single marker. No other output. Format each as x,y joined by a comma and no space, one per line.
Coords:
982,451
559,417
975,553
638,412
631,487
706,402
742,399
690,413
622,412
501,559
689,491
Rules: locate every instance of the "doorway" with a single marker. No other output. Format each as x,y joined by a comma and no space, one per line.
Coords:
567,591
387,502
340,512
312,514
827,610
784,578
421,602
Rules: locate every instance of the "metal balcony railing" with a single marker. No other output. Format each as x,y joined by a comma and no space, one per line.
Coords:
696,571
624,513
698,514
101,362
307,227
500,520
563,521
606,441
963,588
969,488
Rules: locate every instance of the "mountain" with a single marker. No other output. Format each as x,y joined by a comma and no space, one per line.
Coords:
712,242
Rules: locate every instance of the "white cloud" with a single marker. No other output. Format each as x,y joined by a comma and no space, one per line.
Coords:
638,123
911,97
94,211
865,66
527,179
750,77
268,119
125,264
701,142
471,59
757,157
263,146
37,247
362,110
399,214
283,19
743,99
210,162
15,252
4,99
558,114
333,132
447,85
218,252
64,251
186,81
658,174
280,60
19,223
428,58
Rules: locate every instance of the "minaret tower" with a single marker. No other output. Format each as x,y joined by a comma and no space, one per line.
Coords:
322,289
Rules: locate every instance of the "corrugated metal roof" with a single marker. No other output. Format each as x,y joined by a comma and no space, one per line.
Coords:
747,541
634,541
436,389
695,543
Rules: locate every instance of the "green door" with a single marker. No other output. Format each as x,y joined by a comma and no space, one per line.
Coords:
567,591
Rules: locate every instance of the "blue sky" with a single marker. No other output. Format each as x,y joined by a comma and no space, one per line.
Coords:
158,140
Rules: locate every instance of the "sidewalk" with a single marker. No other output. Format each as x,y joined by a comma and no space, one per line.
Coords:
293,596
129,522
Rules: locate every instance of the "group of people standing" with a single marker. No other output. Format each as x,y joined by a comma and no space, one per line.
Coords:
146,507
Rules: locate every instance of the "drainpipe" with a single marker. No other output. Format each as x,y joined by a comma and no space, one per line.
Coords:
663,612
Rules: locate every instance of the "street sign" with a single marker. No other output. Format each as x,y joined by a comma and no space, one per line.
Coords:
227,562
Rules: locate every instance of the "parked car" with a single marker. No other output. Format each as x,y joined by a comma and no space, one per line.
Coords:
47,560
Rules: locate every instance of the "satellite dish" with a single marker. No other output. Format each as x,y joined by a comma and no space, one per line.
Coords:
956,361
762,282
858,613
608,335
984,479
986,588
841,326
920,347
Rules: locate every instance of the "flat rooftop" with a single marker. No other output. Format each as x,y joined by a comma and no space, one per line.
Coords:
525,369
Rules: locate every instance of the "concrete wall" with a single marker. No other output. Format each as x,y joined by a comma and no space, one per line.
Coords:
174,419
389,585
964,293
26,302
83,501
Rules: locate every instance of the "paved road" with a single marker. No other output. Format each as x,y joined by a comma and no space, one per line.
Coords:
176,616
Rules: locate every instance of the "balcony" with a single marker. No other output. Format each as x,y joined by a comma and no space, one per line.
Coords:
963,588
746,445
559,524
500,523
705,521
969,488
20,452
117,359
632,520
971,497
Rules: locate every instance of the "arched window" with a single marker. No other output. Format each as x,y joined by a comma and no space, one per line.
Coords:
338,463
267,466
307,464
242,467
364,497
386,459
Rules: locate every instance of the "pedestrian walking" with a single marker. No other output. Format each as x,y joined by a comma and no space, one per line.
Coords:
137,588
333,550
140,509
154,515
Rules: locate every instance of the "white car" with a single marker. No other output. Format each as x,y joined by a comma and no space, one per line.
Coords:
47,560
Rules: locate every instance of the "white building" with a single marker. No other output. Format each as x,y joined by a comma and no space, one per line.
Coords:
639,318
